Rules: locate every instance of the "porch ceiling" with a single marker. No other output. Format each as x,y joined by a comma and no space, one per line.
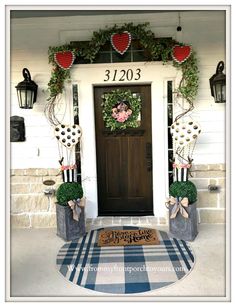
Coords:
64,13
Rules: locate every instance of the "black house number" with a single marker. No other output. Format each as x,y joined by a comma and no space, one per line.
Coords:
122,75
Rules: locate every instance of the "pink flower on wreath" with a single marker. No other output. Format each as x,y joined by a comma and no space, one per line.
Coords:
122,116
121,113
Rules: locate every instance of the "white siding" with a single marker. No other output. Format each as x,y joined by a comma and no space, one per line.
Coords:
30,39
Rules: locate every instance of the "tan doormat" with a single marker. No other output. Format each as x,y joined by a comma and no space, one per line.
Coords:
112,237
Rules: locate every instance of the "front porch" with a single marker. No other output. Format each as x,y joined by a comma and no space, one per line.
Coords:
125,159
33,276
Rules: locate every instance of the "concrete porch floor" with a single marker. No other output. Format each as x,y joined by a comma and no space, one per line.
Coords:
34,274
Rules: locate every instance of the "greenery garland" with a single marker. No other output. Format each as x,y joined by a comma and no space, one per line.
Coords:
161,49
58,75
112,101
56,82
140,31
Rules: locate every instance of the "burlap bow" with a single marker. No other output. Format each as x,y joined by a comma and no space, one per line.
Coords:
76,208
179,206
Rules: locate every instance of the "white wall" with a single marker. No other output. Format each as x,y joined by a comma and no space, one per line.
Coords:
30,39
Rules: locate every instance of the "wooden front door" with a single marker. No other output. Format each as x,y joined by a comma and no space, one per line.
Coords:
124,160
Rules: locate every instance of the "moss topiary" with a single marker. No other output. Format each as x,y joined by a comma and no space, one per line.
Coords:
184,189
68,191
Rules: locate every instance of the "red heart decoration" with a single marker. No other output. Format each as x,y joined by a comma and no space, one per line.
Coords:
64,59
181,53
121,42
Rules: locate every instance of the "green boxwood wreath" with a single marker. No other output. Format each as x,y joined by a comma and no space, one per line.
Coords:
110,100
184,189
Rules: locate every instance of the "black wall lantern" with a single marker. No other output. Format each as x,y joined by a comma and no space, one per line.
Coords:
218,84
26,91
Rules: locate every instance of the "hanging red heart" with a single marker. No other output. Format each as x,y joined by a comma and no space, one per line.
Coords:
181,53
121,42
64,59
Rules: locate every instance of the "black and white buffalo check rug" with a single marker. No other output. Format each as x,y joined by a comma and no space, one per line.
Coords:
124,269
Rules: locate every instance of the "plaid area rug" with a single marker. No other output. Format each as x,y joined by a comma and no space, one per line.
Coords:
124,269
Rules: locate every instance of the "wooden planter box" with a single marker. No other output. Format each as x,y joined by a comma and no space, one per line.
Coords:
182,228
68,228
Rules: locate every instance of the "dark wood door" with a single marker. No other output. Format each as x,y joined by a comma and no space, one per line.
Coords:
124,160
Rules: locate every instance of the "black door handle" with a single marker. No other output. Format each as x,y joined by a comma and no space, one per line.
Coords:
149,156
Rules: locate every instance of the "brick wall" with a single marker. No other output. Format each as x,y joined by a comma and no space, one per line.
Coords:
211,205
30,208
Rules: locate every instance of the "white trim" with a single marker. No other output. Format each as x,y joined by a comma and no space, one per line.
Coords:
89,75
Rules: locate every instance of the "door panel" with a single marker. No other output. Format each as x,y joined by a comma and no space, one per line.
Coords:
136,165
113,174
124,161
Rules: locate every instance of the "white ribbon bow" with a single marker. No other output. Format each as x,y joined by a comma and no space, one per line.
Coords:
75,206
179,206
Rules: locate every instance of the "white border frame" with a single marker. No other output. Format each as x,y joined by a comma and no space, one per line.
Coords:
168,5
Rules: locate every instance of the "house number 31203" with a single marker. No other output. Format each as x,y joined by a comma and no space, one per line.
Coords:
122,75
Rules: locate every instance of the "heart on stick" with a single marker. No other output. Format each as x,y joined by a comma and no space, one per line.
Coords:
68,135
181,53
121,42
183,133
64,59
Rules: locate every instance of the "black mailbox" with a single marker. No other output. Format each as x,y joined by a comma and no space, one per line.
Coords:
17,129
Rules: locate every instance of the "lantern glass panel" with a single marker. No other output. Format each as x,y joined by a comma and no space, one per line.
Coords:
25,98
219,92
218,88
224,92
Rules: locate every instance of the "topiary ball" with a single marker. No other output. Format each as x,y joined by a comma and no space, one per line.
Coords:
68,191
184,189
